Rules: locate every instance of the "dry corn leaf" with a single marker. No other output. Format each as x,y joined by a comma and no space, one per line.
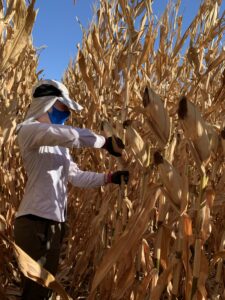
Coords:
148,45
139,8
204,269
127,276
216,62
180,42
83,68
127,14
10,13
218,256
163,280
94,58
98,48
18,41
33,270
137,225
193,57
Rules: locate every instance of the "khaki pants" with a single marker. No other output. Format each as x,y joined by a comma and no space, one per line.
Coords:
41,239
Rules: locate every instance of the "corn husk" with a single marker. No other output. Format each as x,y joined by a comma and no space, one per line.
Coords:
138,147
158,118
194,128
170,178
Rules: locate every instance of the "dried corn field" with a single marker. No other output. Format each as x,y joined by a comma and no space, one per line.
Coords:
160,89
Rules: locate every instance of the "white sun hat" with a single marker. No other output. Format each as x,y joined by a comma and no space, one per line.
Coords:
55,88
45,93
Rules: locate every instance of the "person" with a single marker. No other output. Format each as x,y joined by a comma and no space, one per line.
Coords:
44,141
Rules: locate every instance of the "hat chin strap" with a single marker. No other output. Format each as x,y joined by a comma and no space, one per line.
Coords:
57,116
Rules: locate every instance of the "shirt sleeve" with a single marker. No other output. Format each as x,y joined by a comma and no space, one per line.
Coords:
85,179
37,134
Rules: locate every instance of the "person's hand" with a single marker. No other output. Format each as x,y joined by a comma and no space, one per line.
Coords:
117,177
114,145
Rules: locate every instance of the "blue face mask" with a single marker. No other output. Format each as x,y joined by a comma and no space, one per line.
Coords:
57,116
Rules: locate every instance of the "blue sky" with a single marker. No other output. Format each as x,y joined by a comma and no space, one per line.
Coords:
56,28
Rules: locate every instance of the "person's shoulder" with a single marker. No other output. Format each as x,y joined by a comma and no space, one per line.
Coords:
24,126
29,132
33,125
27,128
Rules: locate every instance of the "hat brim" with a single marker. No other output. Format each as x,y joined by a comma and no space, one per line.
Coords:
70,103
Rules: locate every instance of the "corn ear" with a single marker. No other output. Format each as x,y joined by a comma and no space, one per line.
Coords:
194,127
138,147
157,115
170,178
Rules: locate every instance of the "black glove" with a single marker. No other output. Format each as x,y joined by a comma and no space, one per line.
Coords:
116,177
114,145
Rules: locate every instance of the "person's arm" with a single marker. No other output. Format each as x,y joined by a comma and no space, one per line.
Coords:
42,134
85,179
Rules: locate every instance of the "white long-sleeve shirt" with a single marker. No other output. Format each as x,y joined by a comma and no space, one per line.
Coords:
49,166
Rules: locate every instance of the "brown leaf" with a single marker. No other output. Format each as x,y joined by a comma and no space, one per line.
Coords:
137,226
163,280
18,41
218,256
31,269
